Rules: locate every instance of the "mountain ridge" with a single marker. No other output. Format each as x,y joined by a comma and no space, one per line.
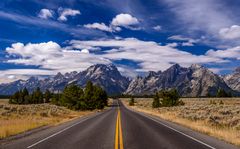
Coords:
193,81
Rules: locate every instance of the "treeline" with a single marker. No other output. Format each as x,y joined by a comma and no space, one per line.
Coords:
169,98
163,98
4,96
222,93
72,97
24,97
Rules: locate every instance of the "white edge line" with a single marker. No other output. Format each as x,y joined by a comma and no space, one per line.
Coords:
61,131
173,129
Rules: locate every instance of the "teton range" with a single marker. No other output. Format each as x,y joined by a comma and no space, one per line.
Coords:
190,82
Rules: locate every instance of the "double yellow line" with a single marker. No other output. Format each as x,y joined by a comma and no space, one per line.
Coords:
118,134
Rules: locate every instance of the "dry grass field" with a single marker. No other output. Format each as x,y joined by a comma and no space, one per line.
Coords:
16,119
215,117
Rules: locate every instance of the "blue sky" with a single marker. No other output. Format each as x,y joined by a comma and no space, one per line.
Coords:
38,37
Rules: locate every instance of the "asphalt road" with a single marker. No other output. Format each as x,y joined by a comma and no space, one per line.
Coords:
117,128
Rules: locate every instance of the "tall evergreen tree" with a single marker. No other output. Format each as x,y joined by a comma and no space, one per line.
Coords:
156,101
14,98
48,96
88,95
25,95
221,93
99,98
37,96
71,95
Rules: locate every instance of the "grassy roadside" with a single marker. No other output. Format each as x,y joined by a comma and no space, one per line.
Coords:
15,119
219,120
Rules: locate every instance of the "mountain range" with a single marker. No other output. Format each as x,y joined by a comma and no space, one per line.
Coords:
190,82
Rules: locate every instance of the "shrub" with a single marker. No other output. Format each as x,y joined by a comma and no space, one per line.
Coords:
131,101
170,98
221,102
212,102
156,101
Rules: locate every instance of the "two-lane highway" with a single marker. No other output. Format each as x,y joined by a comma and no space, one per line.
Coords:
117,128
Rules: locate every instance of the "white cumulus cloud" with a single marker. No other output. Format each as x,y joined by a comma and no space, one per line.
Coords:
65,12
45,13
125,20
85,51
11,77
120,20
186,41
233,53
187,44
99,26
51,56
232,32
157,28
150,55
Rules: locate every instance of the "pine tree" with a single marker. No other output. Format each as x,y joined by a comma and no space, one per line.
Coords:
56,99
20,100
156,101
71,95
37,96
99,98
88,95
14,98
221,93
25,95
48,96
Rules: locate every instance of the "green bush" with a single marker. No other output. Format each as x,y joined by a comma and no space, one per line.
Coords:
212,102
221,102
168,99
131,102
156,101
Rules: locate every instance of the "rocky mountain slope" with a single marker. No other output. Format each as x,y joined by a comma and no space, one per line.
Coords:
193,81
107,76
233,80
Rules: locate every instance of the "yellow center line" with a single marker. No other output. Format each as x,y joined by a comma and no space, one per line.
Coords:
118,134
120,131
